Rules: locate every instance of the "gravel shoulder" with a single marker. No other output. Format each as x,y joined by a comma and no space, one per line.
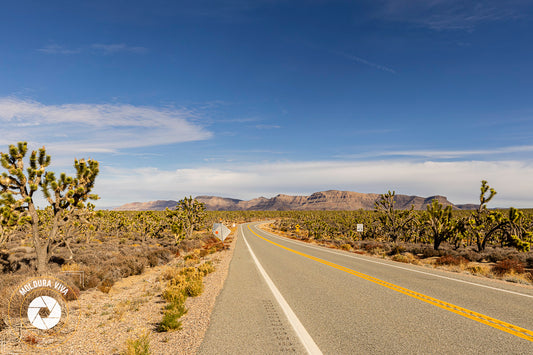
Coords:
134,307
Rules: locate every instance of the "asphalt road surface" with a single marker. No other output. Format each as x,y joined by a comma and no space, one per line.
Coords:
285,296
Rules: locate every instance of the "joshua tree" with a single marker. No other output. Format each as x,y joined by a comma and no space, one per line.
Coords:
515,234
484,224
395,222
188,215
439,222
66,195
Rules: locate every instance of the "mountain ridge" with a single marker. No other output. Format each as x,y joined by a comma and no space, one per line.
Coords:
333,200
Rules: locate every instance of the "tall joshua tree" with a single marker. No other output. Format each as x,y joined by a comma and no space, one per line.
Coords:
484,224
188,215
439,222
395,223
66,195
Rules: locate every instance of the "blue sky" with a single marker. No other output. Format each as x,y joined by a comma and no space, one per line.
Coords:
252,98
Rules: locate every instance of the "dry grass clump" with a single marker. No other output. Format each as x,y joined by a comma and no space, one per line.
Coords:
347,247
373,248
206,268
508,266
9,286
103,269
451,260
479,270
407,258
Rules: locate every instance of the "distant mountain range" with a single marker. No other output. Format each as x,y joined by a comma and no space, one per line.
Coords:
325,200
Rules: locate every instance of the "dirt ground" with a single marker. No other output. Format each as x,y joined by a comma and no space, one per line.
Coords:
101,323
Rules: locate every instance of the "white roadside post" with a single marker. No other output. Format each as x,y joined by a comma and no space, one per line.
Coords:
359,230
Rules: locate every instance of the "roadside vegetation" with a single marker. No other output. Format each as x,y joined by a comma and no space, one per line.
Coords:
486,242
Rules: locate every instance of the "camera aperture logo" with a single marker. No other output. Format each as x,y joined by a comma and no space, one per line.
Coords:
54,310
40,310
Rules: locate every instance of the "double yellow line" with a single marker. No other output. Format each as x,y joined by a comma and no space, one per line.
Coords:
495,323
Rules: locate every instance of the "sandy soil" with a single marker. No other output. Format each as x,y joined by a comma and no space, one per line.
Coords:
132,307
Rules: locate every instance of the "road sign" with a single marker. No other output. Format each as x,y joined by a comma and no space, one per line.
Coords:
359,227
220,231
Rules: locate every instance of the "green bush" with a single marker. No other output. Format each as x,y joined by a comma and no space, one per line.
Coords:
171,318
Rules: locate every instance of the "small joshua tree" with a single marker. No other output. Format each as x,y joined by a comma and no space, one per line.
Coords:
66,195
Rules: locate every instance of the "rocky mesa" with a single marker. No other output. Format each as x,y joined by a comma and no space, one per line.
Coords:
333,200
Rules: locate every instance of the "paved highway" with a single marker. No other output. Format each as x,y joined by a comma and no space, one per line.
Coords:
285,296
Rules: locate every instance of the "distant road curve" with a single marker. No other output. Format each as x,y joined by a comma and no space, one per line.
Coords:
346,303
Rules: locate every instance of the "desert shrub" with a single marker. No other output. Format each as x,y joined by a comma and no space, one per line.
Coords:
171,320
425,251
397,249
206,268
481,270
9,286
194,288
374,247
73,290
106,285
203,253
90,282
169,273
190,257
451,260
499,254
508,266
159,256
138,346
30,339
401,258
346,247
471,255
174,294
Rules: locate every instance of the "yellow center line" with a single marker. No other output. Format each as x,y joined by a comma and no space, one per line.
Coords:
495,323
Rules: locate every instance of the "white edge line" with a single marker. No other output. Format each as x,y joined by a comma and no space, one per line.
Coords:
298,327
395,266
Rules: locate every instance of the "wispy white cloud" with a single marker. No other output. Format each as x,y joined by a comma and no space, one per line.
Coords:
459,181
57,49
267,126
368,63
444,154
352,58
118,47
451,14
95,128
96,48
